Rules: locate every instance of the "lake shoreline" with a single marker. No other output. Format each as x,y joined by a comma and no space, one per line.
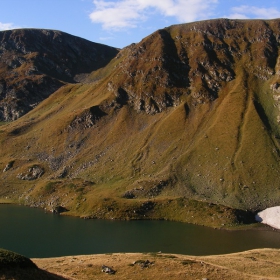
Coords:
253,226
101,236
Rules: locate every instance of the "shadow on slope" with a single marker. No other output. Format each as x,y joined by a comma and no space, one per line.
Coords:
18,267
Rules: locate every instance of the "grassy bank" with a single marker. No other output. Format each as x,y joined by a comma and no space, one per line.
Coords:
255,264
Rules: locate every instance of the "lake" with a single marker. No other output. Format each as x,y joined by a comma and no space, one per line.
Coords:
34,233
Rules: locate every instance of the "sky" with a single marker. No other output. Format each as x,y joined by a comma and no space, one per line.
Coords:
119,23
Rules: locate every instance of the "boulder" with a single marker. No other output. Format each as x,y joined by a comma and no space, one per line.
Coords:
108,269
59,209
8,166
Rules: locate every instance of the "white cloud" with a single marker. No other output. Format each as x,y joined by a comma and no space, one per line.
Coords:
128,13
244,12
7,26
237,16
106,38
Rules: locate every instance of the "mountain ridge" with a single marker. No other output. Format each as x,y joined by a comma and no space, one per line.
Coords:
34,63
182,125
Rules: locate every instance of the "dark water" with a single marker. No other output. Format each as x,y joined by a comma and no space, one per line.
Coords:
33,233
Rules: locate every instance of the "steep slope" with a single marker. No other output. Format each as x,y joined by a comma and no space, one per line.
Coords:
34,63
183,125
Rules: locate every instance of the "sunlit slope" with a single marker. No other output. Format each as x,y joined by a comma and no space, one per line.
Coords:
121,147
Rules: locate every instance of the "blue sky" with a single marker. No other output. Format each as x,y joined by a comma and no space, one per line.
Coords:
119,23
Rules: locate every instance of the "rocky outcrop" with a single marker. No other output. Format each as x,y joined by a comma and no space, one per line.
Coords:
17,99
193,60
33,173
34,63
8,166
87,118
275,87
59,209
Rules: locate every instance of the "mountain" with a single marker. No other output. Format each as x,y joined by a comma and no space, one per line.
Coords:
35,63
183,125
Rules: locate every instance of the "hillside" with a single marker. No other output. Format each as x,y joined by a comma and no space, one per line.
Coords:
34,63
182,125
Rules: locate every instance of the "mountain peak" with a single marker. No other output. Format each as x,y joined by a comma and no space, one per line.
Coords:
194,59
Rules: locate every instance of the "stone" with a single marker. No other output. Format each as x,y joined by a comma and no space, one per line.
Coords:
108,269
143,264
8,166
59,209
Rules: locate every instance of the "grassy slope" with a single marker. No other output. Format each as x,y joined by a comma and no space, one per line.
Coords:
186,158
254,264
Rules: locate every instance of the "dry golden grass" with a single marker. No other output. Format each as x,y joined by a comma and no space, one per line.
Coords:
255,264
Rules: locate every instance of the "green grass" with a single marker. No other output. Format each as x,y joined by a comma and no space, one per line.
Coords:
49,187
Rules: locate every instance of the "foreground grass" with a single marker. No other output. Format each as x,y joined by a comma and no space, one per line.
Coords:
254,264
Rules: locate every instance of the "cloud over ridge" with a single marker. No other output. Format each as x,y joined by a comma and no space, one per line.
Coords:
246,12
127,13
7,26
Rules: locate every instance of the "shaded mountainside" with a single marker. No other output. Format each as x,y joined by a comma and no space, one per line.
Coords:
182,125
34,63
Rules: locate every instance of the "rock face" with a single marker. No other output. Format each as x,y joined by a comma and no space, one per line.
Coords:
195,59
270,216
34,63
87,118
